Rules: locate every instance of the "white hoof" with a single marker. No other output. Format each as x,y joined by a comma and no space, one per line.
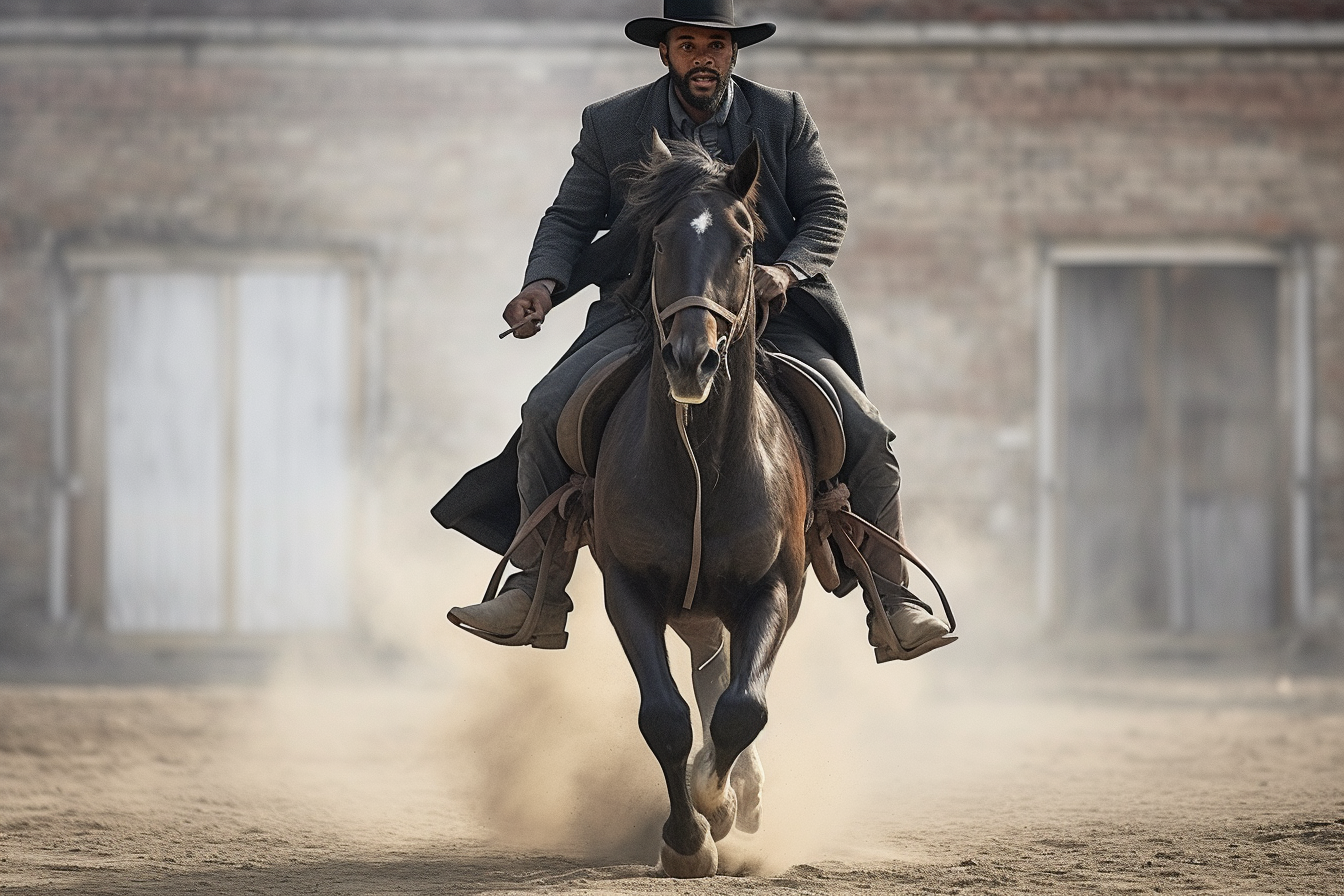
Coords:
717,802
704,862
746,780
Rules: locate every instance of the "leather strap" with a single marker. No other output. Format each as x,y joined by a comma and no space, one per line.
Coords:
835,519
683,411
559,541
736,322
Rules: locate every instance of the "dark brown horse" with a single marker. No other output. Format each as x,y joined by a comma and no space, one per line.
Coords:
697,424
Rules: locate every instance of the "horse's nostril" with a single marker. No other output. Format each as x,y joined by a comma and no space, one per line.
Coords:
710,364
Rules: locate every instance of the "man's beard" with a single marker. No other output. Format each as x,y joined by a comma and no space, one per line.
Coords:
709,103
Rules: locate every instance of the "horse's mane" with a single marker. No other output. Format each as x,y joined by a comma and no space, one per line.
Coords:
654,186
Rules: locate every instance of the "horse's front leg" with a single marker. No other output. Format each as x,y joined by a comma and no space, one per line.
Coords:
729,758
664,720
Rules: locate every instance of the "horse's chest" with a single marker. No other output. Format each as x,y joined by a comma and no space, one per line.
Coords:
654,526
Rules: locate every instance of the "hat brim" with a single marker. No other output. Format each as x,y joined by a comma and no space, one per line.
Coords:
651,31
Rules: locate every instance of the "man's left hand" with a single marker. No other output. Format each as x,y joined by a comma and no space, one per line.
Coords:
772,282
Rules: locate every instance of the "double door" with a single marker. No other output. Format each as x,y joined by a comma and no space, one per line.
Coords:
1173,492
225,474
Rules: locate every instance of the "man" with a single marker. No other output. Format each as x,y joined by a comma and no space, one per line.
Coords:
699,99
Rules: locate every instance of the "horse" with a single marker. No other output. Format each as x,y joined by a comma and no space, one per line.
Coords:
719,559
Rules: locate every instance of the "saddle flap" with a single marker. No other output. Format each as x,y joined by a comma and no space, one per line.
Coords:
585,416
821,406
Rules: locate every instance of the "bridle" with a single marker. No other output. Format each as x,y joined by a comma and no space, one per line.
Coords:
736,328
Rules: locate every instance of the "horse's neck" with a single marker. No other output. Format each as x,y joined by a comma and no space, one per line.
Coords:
722,428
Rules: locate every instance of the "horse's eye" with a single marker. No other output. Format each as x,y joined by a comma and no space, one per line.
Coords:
745,253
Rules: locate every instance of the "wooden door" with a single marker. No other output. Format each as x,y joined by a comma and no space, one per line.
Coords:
165,459
290,555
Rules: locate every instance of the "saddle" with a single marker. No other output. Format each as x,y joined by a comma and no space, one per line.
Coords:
585,416
832,528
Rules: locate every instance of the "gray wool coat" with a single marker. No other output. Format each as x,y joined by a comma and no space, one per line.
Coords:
799,201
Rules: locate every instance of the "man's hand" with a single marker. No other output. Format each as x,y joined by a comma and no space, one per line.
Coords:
772,283
529,308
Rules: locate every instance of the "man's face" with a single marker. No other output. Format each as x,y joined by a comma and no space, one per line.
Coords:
700,60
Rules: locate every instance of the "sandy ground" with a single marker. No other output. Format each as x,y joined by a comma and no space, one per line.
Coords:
522,770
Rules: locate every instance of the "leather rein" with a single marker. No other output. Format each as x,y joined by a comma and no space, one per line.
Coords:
736,327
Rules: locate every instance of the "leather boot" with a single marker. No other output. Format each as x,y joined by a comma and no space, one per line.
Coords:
503,616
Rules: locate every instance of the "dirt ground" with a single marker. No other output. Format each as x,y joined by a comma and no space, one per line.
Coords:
977,772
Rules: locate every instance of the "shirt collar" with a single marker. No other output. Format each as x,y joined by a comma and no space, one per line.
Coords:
683,123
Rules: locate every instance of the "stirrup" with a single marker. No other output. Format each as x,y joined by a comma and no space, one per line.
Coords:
891,596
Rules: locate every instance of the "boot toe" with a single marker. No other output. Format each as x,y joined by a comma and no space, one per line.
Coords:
914,626
502,616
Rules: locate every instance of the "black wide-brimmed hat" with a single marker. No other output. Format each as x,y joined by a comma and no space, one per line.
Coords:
702,13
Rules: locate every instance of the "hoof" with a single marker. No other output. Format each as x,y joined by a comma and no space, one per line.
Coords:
704,862
746,779
721,820
717,804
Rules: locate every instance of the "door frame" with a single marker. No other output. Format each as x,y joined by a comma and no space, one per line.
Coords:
1295,390
76,586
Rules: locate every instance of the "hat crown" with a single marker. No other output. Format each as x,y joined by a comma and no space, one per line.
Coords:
699,10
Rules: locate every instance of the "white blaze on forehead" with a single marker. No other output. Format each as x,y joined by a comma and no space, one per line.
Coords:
702,222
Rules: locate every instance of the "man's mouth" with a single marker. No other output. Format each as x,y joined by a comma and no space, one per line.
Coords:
704,80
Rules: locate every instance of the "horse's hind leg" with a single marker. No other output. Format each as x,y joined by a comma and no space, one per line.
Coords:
740,713
665,721
747,778
708,641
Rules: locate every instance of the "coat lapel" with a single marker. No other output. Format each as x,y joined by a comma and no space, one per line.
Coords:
654,114
740,130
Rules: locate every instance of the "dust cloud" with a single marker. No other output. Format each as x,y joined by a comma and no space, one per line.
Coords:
554,761
540,752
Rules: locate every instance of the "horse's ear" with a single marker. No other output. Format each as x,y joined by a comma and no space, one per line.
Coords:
658,150
745,170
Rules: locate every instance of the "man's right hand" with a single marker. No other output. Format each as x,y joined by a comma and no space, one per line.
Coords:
529,308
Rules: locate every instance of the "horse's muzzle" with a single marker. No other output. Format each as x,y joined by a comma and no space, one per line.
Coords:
691,359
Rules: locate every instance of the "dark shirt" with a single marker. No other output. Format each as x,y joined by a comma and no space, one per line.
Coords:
712,136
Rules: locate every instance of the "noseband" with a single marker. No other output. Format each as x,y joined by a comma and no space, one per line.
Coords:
736,322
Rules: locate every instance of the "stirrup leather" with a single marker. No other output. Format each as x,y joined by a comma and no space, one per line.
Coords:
572,502
834,521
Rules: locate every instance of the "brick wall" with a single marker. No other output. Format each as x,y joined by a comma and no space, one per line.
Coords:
438,162
842,10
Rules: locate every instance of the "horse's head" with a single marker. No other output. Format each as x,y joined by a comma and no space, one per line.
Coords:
702,270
